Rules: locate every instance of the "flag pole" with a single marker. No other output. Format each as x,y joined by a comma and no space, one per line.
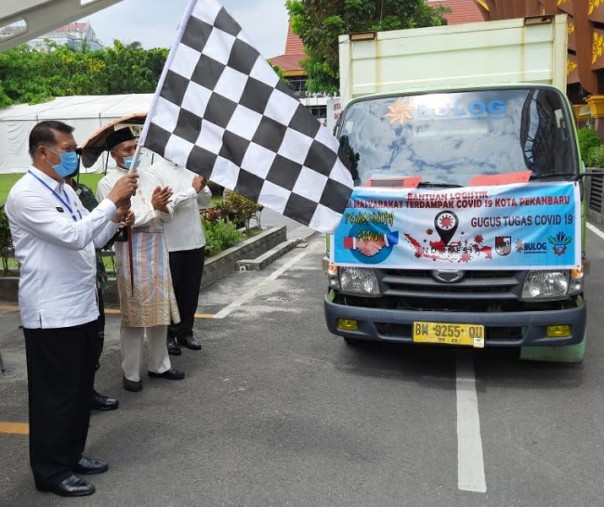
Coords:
132,170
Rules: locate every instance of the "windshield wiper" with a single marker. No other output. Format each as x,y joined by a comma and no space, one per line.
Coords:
546,176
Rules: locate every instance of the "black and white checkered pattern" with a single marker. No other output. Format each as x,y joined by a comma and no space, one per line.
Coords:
221,111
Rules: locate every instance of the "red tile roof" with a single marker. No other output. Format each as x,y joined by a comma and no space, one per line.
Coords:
293,43
294,52
289,64
73,27
462,11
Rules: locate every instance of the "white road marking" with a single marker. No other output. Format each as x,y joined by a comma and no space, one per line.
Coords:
470,461
227,310
595,230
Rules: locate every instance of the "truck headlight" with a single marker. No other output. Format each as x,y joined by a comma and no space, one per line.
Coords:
575,283
359,281
546,285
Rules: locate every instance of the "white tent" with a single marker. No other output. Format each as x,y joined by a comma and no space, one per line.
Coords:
86,113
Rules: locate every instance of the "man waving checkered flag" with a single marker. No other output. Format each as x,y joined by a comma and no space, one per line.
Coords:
221,111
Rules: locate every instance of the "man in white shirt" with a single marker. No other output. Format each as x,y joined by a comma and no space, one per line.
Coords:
54,238
147,300
186,243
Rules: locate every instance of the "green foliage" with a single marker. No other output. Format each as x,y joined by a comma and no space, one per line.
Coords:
320,22
588,139
29,75
6,242
595,156
238,209
220,235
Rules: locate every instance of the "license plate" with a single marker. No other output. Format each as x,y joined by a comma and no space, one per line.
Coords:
448,333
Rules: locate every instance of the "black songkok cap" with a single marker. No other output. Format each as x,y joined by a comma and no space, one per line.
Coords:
119,136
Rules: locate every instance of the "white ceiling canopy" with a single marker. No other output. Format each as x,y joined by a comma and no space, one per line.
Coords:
22,20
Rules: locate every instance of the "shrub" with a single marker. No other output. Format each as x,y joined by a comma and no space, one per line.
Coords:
238,209
588,139
6,241
220,235
595,156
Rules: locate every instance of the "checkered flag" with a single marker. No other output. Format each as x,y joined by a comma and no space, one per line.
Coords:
221,111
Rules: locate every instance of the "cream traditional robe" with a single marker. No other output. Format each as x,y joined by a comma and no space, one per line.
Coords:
153,302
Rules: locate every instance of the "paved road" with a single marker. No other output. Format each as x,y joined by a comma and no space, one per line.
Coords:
274,411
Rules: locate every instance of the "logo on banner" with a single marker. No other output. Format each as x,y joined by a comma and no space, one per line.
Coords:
503,245
560,242
446,223
463,250
370,243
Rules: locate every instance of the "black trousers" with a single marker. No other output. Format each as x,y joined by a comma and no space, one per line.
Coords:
60,375
187,269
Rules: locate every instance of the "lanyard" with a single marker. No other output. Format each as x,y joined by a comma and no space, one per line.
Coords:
64,202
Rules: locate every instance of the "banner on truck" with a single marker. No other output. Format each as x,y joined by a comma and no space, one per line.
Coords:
516,226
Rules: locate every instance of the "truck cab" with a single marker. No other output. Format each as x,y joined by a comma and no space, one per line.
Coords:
468,224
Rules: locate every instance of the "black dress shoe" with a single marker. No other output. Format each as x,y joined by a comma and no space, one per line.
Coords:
100,402
189,342
171,374
173,348
89,466
72,486
132,385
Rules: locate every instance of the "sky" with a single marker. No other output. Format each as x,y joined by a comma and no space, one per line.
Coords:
153,23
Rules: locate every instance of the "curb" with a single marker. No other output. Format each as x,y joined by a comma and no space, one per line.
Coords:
266,258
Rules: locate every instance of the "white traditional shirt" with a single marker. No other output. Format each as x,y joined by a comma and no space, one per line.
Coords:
141,205
54,238
185,231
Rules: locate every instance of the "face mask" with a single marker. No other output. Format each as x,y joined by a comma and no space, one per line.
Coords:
68,165
74,173
128,162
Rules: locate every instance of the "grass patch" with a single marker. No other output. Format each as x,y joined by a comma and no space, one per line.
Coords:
91,180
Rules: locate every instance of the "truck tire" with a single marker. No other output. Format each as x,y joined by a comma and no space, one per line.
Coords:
354,342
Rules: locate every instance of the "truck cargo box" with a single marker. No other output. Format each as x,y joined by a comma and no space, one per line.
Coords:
493,52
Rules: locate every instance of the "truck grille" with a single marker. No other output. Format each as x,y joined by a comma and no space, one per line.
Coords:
474,284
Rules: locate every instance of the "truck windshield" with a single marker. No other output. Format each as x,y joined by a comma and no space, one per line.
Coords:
449,138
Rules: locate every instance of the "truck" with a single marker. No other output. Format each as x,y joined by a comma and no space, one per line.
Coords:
466,226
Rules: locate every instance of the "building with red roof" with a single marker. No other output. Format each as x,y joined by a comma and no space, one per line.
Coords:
74,35
462,11
289,62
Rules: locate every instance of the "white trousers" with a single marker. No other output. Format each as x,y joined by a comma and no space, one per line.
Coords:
133,342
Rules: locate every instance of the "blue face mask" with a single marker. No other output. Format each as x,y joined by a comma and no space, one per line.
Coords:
128,162
68,164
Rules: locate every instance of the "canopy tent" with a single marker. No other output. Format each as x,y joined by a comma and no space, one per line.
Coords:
86,113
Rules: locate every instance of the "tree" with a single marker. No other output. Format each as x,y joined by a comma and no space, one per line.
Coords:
320,22
32,75
130,68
